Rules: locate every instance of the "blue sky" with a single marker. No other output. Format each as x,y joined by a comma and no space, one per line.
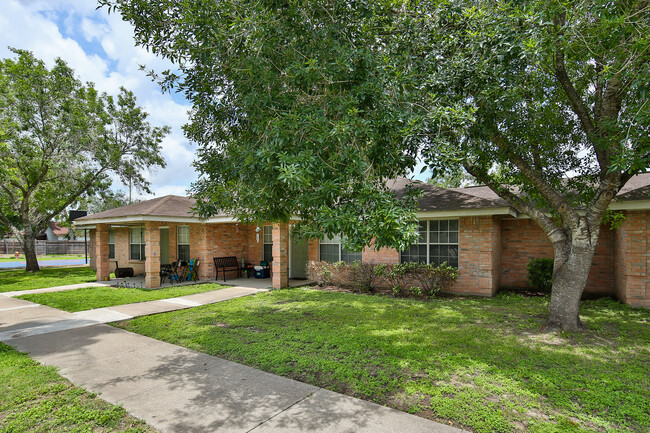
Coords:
100,48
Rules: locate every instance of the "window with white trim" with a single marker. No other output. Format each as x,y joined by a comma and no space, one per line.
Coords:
267,243
111,243
438,243
183,242
331,251
137,243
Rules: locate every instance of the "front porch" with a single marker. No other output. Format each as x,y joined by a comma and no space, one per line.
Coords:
252,283
146,245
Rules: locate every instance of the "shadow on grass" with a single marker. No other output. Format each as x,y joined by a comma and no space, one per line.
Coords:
175,389
457,357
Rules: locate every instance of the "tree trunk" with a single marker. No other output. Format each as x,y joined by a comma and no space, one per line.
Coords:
28,243
570,271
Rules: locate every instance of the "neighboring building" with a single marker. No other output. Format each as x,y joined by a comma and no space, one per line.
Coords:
471,228
55,232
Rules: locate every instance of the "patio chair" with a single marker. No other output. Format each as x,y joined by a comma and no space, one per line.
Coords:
165,273
174,275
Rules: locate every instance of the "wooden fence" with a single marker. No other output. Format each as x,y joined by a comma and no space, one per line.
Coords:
45,247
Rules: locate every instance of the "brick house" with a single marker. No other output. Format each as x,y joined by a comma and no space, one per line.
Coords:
471,228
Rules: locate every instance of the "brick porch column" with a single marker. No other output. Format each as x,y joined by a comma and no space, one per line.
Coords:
280,256
152,254
102,263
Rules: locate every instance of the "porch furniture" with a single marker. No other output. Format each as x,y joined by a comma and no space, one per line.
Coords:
263,270
226,264
176,271
249,270
165,273
193,270
123,272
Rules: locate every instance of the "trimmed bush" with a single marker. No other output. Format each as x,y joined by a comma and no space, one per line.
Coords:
540,274
403,279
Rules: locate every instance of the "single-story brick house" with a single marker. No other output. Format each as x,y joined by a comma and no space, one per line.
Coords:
471,228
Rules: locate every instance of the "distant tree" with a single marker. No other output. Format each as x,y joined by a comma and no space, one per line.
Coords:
60,139
455,178
103,201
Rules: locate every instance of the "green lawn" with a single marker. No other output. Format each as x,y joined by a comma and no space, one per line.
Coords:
21,258
34,398
18,279
99,297
482,364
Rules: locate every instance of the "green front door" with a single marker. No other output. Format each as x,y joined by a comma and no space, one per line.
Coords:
164,246
298,263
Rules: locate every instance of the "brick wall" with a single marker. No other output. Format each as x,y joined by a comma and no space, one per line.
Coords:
478,256
383,255
92,254
123,252
523,240
632,260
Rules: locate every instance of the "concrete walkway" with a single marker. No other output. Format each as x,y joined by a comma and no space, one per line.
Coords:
20,318
180,390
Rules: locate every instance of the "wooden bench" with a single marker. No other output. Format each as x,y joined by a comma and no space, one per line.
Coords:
226,264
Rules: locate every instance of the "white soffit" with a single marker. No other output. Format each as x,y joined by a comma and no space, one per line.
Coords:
455,213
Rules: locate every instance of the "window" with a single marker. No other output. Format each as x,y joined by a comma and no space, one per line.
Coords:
111,243
183,242
331,251
137,243
438,243
267,243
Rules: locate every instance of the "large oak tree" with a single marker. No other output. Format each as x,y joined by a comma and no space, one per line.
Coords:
307,107
61,139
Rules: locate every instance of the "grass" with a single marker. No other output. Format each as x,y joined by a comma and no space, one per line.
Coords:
99,297
18,279
483,364
34,398
21,258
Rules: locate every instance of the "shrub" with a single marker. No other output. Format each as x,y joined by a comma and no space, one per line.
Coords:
320,272
434,279
540,274
363,276
398,277
327,274
403,279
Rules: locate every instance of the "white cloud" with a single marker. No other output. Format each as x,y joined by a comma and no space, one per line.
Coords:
101,49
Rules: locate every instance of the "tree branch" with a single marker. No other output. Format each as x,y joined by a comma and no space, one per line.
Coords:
559,203
553,232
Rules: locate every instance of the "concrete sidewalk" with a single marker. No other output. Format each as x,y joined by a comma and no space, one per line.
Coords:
179,390
20,318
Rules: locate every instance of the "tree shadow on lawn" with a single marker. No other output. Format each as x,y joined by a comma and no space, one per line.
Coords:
476,352
177,389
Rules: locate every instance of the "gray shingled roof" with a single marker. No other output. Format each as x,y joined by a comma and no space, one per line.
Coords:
169,205
637,188
433,199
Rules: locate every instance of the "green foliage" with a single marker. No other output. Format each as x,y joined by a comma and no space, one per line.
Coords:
35,398
484,364
61,139
103,201
306,107
614,219
13,280
540,274
100,297
403,279
306,121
